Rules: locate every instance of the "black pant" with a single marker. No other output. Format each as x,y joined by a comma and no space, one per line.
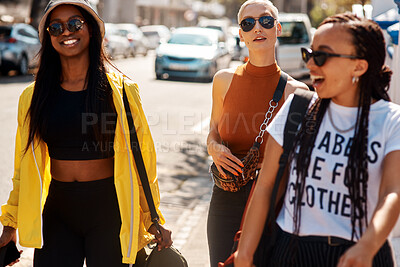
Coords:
224,217
290,250
81,220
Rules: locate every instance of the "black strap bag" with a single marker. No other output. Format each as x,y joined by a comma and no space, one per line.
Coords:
167,257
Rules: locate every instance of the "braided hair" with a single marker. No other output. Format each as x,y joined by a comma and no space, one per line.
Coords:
369,44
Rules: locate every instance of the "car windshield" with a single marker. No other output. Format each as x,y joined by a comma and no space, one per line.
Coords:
293,33
190,39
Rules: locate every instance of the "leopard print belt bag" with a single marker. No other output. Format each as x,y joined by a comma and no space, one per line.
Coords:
234,183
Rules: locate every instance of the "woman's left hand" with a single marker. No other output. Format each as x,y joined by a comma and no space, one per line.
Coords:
356,256
162,239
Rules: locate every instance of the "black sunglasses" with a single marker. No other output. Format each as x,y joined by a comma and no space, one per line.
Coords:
320,57
73,25
248,24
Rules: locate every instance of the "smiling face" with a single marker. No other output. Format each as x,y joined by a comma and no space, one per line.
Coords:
259,38
70,44
334,78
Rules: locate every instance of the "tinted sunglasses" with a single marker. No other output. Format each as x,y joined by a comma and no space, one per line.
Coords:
320,57
248,24
73,25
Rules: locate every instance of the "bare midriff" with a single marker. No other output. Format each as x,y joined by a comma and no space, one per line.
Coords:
82,170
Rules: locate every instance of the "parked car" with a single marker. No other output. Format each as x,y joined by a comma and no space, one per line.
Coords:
156,34
19,45
296,33
192,52
139,43
116,44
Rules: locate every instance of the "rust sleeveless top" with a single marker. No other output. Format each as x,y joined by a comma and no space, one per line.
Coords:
245,105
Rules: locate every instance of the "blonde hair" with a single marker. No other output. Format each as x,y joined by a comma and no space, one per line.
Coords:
267,3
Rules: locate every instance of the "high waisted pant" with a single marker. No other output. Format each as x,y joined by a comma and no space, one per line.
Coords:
290,251
224,217
81,220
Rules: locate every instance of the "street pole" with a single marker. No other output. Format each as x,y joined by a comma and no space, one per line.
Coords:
395,84
303,8
279,5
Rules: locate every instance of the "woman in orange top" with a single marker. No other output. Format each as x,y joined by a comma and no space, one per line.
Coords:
240,101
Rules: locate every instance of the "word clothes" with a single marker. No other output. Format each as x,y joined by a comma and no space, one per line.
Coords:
326,204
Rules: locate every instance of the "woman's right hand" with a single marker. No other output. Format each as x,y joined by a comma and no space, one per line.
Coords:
9,234
224,159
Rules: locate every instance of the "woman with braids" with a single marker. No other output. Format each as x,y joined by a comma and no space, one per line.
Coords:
343,187
76,194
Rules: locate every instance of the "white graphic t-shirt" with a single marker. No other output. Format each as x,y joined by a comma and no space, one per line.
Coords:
326,202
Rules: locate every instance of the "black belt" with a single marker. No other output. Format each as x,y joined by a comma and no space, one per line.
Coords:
330,240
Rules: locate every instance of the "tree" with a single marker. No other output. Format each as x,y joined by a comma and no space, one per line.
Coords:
326,8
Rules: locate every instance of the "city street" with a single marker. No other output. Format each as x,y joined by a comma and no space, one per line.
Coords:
178,114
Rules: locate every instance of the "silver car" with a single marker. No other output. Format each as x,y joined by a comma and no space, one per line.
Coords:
139,43
116,44
19,45
156,34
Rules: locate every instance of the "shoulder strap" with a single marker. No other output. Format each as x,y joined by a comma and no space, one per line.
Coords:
137,155
297,110
280,88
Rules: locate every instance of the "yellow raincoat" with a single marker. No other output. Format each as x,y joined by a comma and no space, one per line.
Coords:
32,176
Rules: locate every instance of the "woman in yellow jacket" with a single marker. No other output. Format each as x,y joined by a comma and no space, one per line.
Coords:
76,191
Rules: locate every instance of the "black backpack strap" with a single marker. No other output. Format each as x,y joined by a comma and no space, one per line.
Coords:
297,110
137,155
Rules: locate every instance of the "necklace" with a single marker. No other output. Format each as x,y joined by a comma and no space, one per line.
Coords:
335,127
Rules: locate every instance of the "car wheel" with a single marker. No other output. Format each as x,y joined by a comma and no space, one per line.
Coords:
127,53
23,66
4,72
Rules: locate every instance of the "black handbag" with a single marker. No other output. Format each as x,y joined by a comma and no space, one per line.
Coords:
167,257
262,255
8,254
233,183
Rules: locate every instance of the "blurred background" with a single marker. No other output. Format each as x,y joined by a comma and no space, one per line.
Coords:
172,49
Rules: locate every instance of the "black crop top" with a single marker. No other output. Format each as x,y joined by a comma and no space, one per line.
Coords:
69,134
